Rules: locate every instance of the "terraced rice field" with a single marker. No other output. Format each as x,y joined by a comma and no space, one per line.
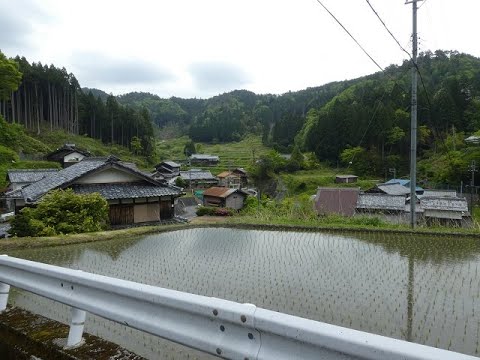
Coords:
422,289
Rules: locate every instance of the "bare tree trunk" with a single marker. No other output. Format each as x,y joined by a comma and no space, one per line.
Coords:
37,108
50,118
13,107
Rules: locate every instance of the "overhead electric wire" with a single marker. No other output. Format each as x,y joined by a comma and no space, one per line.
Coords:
349,34
403,49
373,60
416,67
424,2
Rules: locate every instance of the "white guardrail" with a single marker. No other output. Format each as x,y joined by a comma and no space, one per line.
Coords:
223,328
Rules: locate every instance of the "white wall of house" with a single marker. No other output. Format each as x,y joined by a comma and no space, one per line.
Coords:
108,176
73,157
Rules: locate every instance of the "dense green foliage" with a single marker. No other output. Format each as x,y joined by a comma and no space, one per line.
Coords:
367,125
362,124
10,77
62,212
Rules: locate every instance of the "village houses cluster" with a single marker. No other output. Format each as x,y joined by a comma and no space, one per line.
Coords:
135,196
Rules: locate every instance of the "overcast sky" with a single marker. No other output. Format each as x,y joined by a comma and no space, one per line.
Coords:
200,48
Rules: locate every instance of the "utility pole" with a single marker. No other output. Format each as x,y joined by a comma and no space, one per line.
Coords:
472,168
413,124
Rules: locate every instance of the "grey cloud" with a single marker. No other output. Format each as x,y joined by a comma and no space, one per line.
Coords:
13,32
16,24
99,69
217,76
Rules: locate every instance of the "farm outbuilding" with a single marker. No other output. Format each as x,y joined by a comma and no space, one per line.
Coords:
336,200
345,179
224,197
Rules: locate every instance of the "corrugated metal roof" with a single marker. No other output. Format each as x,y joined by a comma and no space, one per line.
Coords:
204,157
346,176
444,203
126,191
337,200
403,182
393,189
28,175
224,174
381,202
217,191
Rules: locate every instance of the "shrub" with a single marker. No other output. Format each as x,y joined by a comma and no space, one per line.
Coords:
213,211
223,212
62,212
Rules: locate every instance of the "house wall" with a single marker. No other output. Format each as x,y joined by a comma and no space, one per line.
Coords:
108,176
235,201
212,201
146,212
73,157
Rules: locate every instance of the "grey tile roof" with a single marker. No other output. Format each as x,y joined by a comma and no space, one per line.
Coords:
381,202
439,193
65,177
195,174
394,189
28,175
126,191
14,194
444,203
171,163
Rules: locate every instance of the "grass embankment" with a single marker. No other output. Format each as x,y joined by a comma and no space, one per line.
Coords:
339,223
58,138
232,155
37,242
307,181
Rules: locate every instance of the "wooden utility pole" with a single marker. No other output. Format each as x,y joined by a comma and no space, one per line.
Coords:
413,124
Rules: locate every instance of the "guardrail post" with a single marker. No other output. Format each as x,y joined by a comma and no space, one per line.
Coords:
4,290
76,327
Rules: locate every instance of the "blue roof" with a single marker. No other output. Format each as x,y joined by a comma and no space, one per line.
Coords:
404,182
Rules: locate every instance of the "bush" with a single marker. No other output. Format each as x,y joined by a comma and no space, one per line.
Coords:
213,211
62,212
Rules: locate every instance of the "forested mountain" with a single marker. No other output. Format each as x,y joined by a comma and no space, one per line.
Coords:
96,93
363,121
49,98
371,119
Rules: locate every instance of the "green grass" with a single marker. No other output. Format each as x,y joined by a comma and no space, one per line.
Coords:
232,155
307,181
58,138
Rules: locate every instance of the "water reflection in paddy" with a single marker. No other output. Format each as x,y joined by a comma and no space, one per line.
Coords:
417,288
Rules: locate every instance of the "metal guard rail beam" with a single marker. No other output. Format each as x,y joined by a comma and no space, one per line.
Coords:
216,326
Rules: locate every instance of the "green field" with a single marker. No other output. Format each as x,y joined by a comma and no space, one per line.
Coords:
232,155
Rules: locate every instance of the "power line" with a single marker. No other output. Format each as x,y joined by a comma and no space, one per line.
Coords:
424,2
385,26
349,34
403,49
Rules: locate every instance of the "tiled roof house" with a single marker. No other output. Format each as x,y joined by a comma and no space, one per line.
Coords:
133,196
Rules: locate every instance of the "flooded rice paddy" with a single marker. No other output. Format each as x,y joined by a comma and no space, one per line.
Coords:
421,289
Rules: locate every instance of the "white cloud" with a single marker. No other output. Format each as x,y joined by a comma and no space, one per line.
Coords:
193,48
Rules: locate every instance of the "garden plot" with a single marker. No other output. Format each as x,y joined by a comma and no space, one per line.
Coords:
404,286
